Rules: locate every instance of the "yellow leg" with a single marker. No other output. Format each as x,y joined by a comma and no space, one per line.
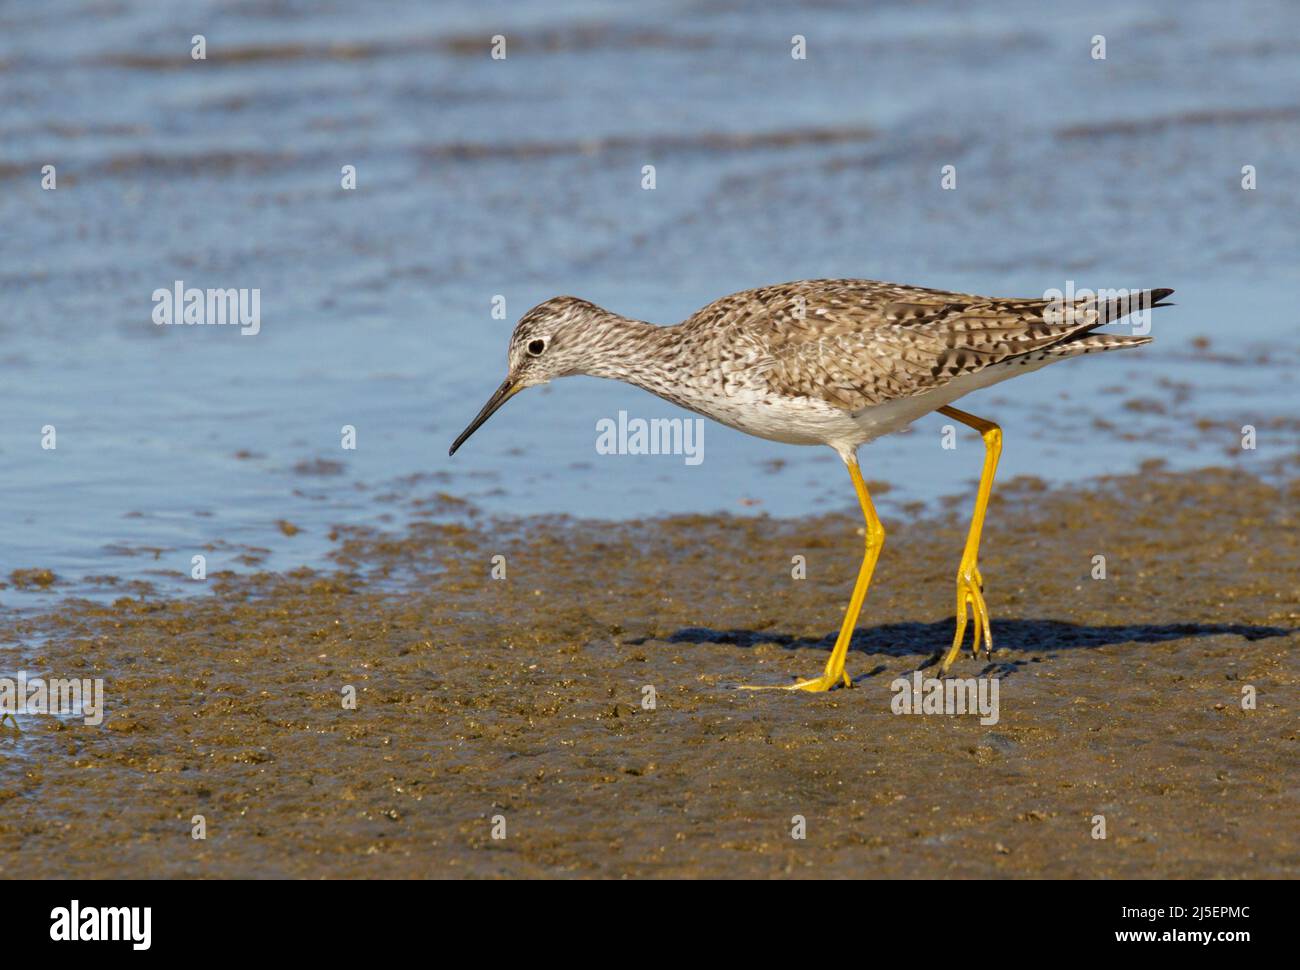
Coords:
834,672
970,584
7,716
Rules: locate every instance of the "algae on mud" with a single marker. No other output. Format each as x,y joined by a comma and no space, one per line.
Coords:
522,698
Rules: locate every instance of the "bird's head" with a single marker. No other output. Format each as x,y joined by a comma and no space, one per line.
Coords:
553,339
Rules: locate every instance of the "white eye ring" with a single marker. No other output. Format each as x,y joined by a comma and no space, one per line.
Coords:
536,347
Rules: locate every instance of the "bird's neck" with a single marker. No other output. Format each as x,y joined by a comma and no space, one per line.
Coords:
632,351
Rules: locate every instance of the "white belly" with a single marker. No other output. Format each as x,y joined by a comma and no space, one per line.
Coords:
810,421
794,421
881,419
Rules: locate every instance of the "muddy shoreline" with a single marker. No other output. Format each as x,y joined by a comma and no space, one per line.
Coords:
482,699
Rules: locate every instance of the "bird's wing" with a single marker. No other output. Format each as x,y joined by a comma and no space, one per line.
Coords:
857,343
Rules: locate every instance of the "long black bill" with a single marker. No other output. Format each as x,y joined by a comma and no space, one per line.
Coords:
498,398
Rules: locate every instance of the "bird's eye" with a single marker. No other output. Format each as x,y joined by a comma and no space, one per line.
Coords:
535,347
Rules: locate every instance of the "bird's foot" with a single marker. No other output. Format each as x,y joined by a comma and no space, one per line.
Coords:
970,605
826,681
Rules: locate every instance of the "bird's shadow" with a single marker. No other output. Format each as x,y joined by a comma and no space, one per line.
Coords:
929,640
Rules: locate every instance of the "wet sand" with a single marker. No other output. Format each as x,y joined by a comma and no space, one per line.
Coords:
523,698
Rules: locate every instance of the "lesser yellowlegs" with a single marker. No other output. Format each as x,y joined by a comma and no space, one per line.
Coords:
828,362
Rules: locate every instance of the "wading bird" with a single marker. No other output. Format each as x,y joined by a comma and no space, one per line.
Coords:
828,362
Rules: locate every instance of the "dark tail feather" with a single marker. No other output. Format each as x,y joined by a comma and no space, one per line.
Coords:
1120,307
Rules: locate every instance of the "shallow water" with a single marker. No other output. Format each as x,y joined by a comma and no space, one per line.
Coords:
522,178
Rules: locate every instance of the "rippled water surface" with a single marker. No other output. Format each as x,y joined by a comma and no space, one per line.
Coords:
522,178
